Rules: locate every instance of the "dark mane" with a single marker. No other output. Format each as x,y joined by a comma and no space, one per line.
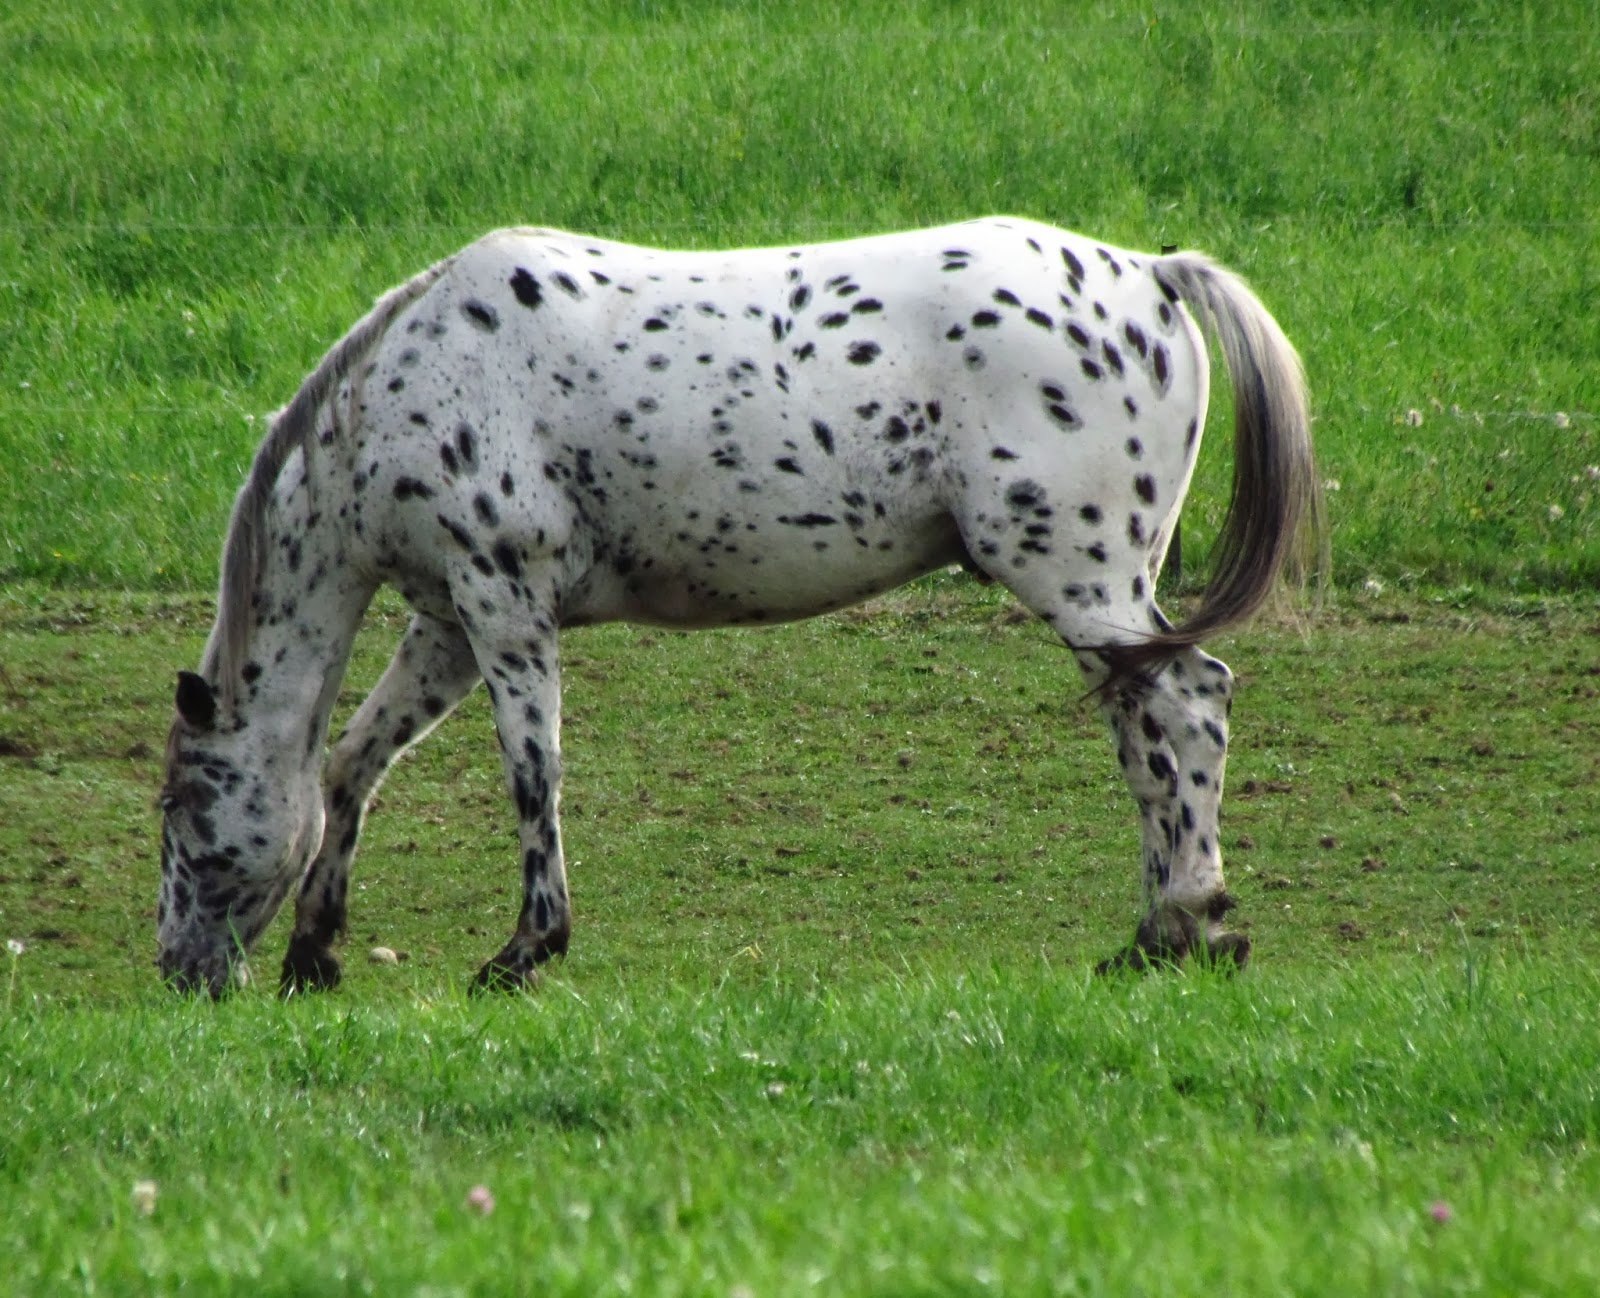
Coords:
293,428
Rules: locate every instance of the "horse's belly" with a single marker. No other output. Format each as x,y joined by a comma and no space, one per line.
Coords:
732,576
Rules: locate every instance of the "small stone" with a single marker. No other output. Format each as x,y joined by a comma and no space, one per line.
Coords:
383,955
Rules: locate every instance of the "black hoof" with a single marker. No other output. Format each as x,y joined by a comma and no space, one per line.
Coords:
1135,959
505,975
309,967
1169,935
1229,951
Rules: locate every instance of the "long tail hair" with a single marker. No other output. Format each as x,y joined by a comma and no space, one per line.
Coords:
1275,509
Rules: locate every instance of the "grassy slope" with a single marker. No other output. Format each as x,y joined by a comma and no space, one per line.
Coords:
211,200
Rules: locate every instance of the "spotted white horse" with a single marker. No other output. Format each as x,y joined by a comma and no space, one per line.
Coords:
547,430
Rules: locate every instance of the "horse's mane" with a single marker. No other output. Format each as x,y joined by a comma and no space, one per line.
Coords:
293,427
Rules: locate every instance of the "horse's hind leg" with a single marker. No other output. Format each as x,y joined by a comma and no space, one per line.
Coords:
1170,724
432,670
1171,730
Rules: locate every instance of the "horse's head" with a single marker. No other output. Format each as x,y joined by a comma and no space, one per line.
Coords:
241,817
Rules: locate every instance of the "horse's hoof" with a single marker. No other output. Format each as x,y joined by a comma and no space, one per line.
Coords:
505,975
1164,937
1229,952
309,967
1168,936
1133,958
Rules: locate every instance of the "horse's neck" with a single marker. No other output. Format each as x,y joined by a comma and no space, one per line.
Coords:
305,609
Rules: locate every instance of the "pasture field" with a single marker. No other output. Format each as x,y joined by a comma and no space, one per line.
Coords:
196,202
828,1023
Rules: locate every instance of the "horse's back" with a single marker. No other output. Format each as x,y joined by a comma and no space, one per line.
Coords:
757,434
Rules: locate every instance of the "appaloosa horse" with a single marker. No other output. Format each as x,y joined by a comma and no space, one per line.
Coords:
547,430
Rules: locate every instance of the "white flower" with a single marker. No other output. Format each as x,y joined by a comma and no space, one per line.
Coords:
14,945
1563,420
1414,418
1554,513
1332,484
1372,586
144,1197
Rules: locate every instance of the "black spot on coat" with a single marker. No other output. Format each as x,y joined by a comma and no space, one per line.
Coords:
505,558
481,315
406,488
527,289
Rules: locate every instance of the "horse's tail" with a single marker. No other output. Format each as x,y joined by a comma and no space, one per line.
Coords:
293,427
1275,511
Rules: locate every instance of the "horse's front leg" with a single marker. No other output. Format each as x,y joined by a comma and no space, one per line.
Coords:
432,670
522,667
1172,743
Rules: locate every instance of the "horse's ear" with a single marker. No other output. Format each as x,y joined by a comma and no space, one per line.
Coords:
197,704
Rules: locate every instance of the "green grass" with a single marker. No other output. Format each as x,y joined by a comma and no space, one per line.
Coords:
921,780
1019,1128
827,1024
207,201
828,1021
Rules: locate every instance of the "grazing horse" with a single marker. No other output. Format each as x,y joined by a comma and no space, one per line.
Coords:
547,430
